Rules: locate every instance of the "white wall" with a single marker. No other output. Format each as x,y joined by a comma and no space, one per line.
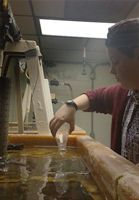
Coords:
72,74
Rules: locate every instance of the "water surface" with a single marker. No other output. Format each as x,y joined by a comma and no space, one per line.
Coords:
44,174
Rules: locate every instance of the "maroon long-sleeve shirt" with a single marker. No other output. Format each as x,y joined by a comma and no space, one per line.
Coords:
110,100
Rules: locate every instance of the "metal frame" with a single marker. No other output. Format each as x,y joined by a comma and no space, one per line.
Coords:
42,105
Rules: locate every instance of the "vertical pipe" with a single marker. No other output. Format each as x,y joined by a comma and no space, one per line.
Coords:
19,99
1,60
92,134
5,90
84,61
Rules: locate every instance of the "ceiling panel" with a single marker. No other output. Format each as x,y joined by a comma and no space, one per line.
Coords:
20,7
62,42
99,10
49,8
31,37
26,24
134,12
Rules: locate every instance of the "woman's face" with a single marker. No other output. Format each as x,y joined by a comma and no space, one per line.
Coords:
125,69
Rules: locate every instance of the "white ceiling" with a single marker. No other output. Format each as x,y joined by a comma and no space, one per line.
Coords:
28,12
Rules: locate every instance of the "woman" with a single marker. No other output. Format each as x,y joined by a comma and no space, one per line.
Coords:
121,100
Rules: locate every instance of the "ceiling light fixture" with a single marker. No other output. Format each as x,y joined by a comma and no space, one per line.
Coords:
74,28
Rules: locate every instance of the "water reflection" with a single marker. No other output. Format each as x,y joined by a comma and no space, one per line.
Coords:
46,175
61,185
59,180
75,191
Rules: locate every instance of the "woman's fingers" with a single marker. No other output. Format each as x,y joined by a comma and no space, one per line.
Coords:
64,114
55,125
72,126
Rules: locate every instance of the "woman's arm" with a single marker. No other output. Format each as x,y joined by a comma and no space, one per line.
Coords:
67,114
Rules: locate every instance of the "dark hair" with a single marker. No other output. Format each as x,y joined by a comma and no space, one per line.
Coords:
128,51
124,36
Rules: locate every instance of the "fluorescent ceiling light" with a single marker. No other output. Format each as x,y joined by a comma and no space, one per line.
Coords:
74,28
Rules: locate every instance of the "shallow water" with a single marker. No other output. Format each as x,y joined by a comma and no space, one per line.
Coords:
43,174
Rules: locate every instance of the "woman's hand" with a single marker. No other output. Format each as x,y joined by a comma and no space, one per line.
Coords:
65,114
